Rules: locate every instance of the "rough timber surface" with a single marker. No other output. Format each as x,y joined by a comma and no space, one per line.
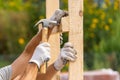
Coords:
54,39
76,37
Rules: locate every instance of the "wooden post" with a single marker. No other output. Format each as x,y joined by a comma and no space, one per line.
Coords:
54,40
74,25
76,37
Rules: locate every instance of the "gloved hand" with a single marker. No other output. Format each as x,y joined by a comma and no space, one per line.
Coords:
41,54
67,53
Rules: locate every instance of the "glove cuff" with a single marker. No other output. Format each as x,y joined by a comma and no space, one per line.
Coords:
38,63
59,64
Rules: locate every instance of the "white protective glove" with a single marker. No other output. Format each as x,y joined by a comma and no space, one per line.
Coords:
67,53
41,54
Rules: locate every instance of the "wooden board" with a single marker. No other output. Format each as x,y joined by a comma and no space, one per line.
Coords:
54,40
76,37
65,24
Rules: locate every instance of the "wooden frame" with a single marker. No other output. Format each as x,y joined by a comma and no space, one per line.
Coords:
73,24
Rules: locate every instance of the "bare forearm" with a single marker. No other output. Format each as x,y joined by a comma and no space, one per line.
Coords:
49,74
33,43
25,56
30,73
23,59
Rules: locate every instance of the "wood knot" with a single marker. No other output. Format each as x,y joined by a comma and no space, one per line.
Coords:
81,13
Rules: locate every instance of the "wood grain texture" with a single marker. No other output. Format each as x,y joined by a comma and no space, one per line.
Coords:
65,24
54,40
76,37
44,34
44,39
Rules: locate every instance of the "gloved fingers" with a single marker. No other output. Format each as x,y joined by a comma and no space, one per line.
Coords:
47,49
41,54
69,56
68,44
68,49
41,50
47,57
44,46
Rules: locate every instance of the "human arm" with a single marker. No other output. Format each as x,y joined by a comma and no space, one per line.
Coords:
26,55
23,59
51,71
30,72
40,55
67,53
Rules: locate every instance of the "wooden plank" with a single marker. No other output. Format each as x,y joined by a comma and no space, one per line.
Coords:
54,39
65,24
76,37
51,6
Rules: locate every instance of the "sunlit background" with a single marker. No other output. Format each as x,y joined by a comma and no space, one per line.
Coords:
101,30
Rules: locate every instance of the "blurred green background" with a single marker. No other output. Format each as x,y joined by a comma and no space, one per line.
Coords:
101,30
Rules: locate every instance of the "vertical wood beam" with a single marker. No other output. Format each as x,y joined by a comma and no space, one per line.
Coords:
51,6
54,40
76,37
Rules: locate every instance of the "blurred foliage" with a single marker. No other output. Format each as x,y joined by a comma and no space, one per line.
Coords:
101,30
16,24
101,34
